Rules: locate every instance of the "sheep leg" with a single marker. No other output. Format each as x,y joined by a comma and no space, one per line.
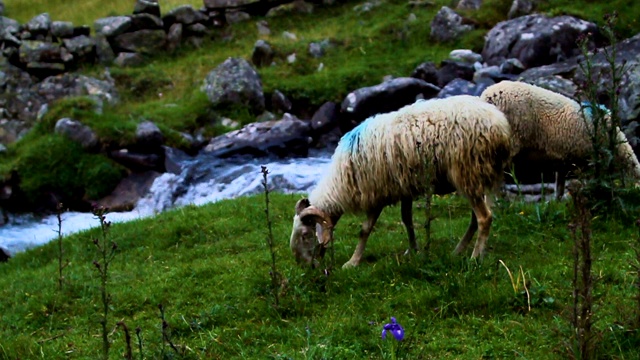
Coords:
560,180
367,226
406,208
484,220
471,230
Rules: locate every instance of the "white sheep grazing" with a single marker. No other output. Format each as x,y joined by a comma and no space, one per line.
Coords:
464,141
550,129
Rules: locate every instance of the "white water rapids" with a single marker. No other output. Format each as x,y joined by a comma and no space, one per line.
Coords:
202,180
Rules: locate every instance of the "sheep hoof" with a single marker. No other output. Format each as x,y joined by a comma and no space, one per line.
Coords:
349,265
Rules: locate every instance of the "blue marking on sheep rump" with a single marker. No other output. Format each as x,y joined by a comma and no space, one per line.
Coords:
351,140
588,108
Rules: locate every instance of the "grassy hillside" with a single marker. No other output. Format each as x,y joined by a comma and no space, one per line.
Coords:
366,46
209,268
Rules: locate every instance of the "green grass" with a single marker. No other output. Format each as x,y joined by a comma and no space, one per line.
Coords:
209,267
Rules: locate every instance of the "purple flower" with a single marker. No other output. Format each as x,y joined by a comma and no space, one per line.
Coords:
396,329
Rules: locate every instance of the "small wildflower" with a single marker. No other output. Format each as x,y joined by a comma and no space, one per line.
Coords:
396,329
521,213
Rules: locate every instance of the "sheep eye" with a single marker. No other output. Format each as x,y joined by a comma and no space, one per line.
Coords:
308,222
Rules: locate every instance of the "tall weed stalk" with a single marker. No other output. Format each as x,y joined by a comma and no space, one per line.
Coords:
582,308
106,251
61,263
275,276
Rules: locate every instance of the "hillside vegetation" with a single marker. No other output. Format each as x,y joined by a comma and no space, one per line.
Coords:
196,282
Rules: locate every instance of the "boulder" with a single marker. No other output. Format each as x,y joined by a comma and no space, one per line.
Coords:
174,37
184,14
138,162
469,4
145,42
521,8
385,97
235,82
112,25
536,40
262,54
280,103
104,51
150,7
450,70
286,137
130,189
83,48
426,71
126,59
464,87
39,25
77,132
145,21
62,29
447,25
627,53
149,137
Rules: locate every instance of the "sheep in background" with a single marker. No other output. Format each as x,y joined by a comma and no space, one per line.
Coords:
549,129
463,141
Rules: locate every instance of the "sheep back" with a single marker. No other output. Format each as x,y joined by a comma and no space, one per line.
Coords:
546,123
466,141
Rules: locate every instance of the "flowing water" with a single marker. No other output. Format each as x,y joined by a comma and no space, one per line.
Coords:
201,180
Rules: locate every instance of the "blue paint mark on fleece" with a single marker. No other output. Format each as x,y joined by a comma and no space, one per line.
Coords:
588,108
351,140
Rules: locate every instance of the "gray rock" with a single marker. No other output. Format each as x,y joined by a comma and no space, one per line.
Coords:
234,17
279,102
128,59
235,82
77,132
263,27
104,51
145,21
262,54
112,26
511,66
150,7
149,137
465,56
174,37
521,8
557,84
450,70
426,71
325,118
286,137
184,14
535,39
9,26
145,42
130,189
447,25
62,29
490,72
82,47
382,98
40,55
464,87
196,29
469,4
39,24
318,49
627,52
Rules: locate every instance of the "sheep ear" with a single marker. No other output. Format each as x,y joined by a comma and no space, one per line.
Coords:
301,205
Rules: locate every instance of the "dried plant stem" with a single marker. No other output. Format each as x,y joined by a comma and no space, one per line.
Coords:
275,278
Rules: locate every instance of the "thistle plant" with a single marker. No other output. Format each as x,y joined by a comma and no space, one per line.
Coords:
106,250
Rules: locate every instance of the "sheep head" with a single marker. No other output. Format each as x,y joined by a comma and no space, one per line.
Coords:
312,232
